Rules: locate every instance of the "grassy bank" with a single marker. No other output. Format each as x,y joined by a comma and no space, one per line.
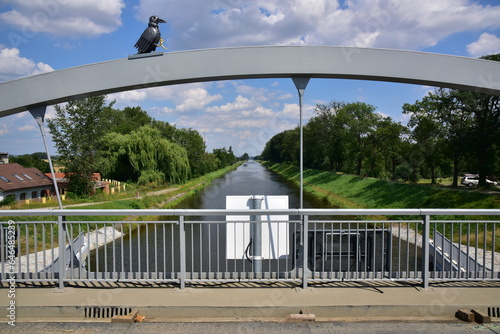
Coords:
350,191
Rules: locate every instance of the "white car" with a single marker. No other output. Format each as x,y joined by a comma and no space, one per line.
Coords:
472,180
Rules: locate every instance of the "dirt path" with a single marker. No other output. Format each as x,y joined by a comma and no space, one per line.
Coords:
152,193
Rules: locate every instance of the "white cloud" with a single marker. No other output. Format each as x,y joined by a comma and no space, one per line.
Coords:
487,44
240,103
258,112
195,99
243,123
27,128
3,129
64,17
390,23
13,66
290,109
129,97
187,97
285,96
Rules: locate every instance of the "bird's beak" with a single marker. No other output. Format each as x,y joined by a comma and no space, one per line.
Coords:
161,21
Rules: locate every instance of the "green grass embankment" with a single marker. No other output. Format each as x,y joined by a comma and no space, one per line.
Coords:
350,191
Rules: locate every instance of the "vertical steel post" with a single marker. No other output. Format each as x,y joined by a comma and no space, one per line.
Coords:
301,84
62,246
256,235
304,248
182,252
425,250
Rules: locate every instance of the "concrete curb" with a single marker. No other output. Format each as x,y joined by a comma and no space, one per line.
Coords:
235,314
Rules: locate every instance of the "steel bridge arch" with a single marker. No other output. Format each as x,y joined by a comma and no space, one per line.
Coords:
159,69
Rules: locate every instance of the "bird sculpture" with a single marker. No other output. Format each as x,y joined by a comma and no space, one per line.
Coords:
151,37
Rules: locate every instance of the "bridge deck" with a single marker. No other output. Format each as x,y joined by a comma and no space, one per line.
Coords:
236,301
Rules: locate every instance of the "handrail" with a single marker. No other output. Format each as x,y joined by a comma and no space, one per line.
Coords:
218,212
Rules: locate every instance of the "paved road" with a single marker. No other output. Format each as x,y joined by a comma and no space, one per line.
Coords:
253,327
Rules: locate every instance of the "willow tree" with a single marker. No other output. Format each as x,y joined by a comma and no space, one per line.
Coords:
147,156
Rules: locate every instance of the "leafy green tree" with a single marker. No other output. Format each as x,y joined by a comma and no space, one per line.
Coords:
77,131
361,124
147,156
272,149
209,163
224,157
116,161
347,137
129,119
457,123
428,133
324,138
387,148
195,147
470,124
283,147
32,160
485,134
190,139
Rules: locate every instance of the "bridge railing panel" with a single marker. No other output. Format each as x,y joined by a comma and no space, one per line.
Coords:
183,246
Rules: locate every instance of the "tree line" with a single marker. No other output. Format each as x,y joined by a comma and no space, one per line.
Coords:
127,145
37,160
450,132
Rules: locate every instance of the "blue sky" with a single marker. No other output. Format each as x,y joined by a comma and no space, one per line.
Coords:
38,36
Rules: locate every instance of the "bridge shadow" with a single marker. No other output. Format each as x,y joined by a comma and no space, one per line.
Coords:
375,285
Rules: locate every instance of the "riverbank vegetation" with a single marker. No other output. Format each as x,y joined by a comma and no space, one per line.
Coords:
352,191
449,133
127,145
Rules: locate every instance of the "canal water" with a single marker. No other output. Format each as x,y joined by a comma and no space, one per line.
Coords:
155,247
251,178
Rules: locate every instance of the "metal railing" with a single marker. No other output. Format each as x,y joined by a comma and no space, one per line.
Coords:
183,246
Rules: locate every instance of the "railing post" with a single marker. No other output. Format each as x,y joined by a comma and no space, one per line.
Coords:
62,247
304,248
256,235
182,252
425,250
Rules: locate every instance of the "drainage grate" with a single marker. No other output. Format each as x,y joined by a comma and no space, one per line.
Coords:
98,312
494,312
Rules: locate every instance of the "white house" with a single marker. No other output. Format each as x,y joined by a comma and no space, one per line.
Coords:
23,183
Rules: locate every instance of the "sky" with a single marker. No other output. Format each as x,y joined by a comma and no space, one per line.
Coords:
38,36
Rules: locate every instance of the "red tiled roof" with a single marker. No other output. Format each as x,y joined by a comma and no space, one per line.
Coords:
26,177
